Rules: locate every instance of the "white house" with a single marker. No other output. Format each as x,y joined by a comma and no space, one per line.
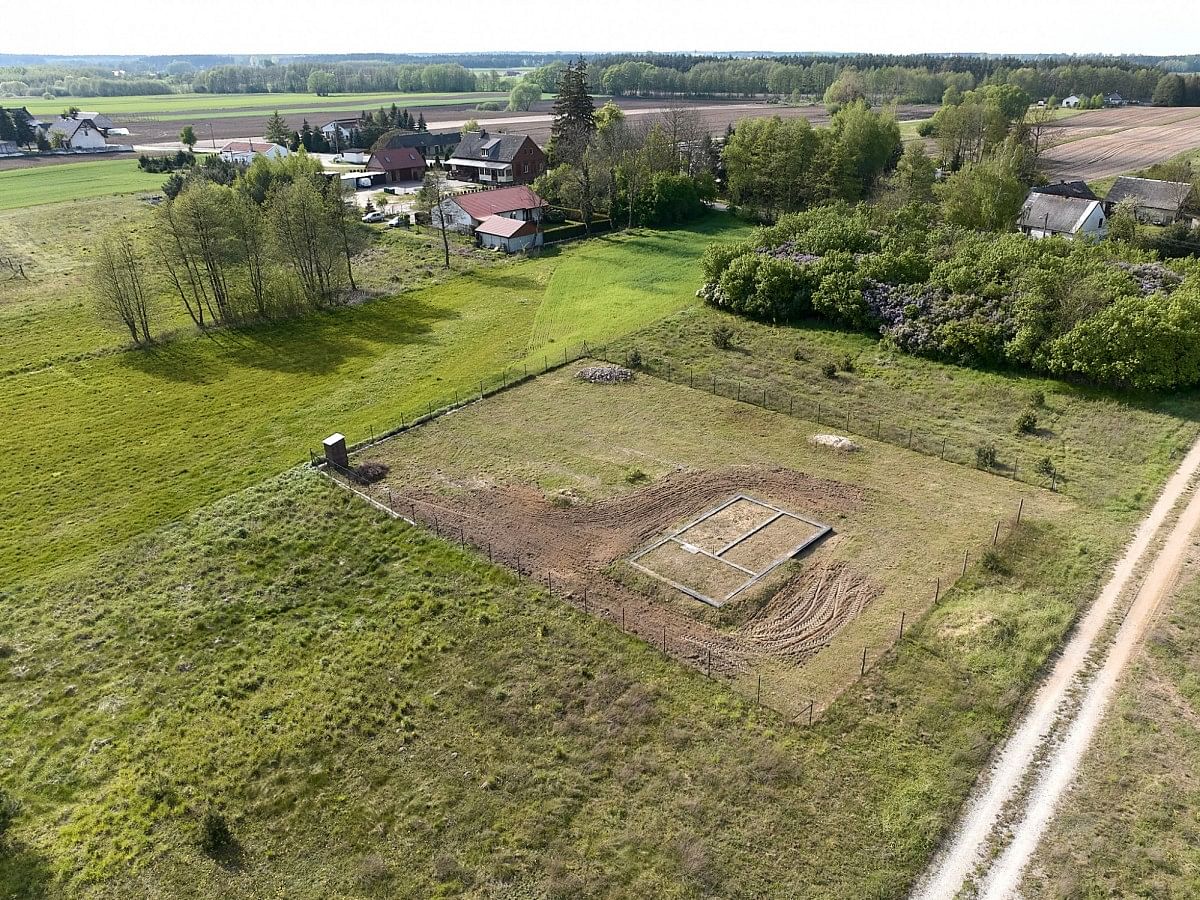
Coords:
1070,102
509,235
243,152
1049,215
76,134
339,130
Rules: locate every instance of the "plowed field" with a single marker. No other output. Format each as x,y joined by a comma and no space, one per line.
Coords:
1106,142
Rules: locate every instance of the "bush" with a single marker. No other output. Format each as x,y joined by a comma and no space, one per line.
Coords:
1037,399
829,370
1027,422
985,456
723,336
489,106
215,836
634,358
636,476
847,363
799,355
993,561
1044,466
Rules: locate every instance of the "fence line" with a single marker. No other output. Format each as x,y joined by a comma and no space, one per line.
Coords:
824,412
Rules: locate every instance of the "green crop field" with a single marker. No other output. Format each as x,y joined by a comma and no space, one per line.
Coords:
73,181
170,107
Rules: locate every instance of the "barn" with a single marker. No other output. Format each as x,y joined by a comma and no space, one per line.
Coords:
509,235
398,164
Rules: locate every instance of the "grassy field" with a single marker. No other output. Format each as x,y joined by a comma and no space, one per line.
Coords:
1130,826
168,107
309,668
40,185
117,443
569,438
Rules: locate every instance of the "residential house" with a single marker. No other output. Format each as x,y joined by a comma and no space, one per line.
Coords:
509,235
1049,215
1114,100
400,164
497,159
338,131
466,212
244,152
75,134
1078,189
9,148
428,143
103,122
1070,102
1158,202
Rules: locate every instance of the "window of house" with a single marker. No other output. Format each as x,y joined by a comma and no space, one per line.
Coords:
526,169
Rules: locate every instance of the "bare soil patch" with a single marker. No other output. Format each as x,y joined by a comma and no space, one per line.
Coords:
1102,143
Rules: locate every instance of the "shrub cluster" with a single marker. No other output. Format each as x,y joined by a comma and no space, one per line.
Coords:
1104,313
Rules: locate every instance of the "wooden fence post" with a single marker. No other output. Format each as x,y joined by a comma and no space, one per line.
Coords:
863,671
1020,509
901,625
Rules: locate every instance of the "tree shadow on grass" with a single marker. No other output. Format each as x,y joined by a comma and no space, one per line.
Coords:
23,873
315,344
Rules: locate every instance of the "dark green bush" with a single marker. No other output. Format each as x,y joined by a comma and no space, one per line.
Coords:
985,456
1026,422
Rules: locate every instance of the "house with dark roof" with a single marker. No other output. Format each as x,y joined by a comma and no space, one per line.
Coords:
101,121
1049,215
399,164
75,133
497,159
466,212
429,143
1078,189
339,130
1158,202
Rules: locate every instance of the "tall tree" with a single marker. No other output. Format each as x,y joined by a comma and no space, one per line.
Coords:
278,131
574,113
301,226
118,286
187,137
431,198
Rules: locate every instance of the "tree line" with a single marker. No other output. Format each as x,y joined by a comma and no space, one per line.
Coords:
339,78
276,240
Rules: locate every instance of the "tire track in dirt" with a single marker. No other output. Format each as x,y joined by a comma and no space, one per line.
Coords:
982,822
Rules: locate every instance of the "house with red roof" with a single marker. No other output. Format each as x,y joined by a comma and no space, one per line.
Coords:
398,164
509,235
466,212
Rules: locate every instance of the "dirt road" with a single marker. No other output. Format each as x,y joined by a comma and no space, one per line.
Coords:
1035,752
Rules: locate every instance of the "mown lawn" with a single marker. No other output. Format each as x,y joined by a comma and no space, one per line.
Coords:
74,181
111,445
376,713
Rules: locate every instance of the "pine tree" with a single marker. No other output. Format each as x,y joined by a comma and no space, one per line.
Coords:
421,126
277,130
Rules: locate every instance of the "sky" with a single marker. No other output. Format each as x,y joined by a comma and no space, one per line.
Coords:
132,27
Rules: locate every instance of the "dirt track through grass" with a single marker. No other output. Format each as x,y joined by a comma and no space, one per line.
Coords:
1021,757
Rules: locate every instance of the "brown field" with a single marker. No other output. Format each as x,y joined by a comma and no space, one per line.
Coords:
1105,142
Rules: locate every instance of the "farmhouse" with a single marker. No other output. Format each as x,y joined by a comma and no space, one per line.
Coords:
426,142
1070,102
76,134
1114,100
103,122
243,152
1049,215
1158,202
509,235
339,130
466,212
497,159
400,164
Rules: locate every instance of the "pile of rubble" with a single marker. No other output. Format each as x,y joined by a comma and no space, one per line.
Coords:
604,374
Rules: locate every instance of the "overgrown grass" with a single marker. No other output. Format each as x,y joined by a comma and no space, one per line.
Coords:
1129,827
1111,451
74,181
376,713
108,446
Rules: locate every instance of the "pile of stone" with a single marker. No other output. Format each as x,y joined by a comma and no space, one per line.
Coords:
604,374
834,442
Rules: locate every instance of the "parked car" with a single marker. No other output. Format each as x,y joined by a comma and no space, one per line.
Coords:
400,221
372,217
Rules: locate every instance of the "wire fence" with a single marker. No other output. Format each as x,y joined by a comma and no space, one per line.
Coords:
842,416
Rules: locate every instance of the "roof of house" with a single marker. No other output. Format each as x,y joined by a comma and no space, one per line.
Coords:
503,226
99,119
396,158
1077,189
248,146
479,145
68,127
351,122
401,138
1062,215
1148,192
481,204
